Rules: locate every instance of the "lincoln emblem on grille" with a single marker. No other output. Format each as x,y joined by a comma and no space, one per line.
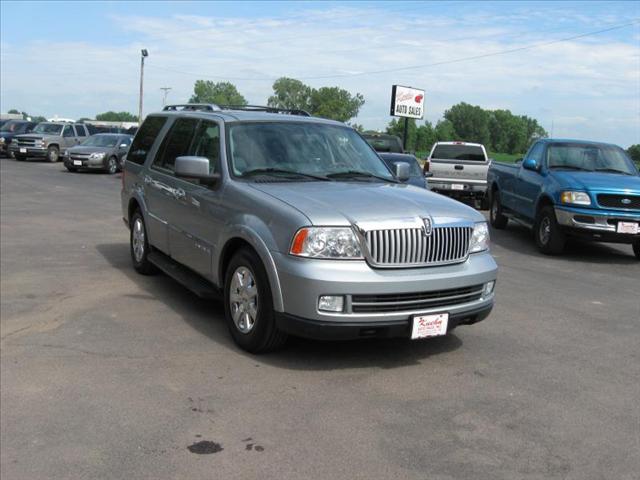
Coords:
625,201
428,226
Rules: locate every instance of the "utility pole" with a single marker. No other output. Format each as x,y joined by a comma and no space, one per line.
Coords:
143,53
165,92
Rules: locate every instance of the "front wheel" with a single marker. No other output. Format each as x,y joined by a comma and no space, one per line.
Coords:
496,217
53,154
112,165
72,169
636,249
248,304
19,158
549,236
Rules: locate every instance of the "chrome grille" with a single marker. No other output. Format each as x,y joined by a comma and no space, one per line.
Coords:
26,142
79,156
411,247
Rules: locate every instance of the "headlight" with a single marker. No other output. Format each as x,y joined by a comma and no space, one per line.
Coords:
96,156
577,198
1,139
479,238
326,242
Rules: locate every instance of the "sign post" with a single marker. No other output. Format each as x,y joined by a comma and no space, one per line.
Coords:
407,102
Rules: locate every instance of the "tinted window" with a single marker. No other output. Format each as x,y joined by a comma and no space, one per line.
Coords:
459,152
80,131
144,139
384,144
68,131
126,141
207,144
176,143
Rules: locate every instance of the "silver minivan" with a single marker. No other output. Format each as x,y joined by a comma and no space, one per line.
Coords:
300,227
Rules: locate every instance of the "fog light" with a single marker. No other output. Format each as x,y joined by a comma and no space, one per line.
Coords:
331,303
488,289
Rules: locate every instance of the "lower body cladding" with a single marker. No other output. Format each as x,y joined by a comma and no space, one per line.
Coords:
380,302
600,225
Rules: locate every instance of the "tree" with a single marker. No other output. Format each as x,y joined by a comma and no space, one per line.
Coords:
38,119
634,152
221,93
328,102
470,122
117,117
425,137
356,126
445,131
291,94
13,111
83,119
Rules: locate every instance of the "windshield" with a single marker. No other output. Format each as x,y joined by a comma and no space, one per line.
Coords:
48,129
304,148
12,126
101,141
459,152
605,158
384,144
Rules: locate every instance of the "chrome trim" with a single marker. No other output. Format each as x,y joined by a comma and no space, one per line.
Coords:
601,224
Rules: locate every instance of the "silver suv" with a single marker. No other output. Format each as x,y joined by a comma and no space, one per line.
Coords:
300,227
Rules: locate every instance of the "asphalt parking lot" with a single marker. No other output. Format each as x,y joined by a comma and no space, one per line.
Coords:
108,374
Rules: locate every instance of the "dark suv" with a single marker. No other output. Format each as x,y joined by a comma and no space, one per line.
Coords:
12,128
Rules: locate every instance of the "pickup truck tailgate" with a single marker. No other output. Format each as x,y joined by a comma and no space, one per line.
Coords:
454,170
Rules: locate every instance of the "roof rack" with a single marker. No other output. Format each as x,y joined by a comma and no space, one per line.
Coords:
204,107
261,108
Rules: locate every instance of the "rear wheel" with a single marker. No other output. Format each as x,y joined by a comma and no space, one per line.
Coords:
248,304
549,236
636,249
53,154
496,217
139,245
111,166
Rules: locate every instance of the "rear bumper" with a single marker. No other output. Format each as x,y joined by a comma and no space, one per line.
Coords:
324,330
596,225
455,188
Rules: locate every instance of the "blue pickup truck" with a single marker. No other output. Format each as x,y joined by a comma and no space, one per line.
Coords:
568,188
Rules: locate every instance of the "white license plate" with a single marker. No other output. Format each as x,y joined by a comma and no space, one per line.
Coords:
457,186
77,162
628,227
23,150
425,326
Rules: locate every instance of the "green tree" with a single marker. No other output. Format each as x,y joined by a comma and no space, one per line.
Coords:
470,122
14,111
221,93
634,152
335,103
425,137
445,131
291,94
111,116
357,126
38,119
83,119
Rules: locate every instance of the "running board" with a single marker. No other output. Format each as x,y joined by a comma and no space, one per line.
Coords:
183,275
518,219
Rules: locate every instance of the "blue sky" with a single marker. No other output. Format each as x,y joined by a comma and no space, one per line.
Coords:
76,59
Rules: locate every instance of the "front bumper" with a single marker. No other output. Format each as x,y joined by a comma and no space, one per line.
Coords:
598,225
303,281
28,151
84,163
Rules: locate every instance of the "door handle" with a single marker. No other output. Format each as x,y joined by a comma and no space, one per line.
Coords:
147,180
179,193
459,167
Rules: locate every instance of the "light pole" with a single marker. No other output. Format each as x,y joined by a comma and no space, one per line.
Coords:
144,53
165,91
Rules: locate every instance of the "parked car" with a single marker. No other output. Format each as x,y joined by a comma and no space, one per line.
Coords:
300,227
48,140
383,142
459,170
105,151
10,129
569,188
416,176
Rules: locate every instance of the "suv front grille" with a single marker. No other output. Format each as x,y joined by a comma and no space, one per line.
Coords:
26,142
401,302
619,201
79,156
411,247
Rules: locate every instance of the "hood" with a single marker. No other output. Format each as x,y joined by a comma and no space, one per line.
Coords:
597,181
345,203
7,134
33,136
87,149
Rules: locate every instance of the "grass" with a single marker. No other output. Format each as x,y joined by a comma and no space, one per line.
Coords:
505,157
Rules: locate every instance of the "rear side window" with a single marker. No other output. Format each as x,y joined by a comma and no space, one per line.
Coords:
80,131
459,152
176,143
144,139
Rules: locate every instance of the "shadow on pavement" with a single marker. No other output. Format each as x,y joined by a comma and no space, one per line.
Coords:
207,317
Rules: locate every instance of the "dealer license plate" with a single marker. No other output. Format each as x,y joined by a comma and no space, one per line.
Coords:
457,186
77,162
628,227
425,326
23,150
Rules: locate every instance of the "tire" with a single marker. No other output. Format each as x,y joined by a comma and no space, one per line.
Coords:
72,169
549,236
496,217
111,166
636,249
248,304
139,245
53,154
20,158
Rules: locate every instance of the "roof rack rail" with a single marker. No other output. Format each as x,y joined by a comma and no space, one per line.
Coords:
261,108
204,107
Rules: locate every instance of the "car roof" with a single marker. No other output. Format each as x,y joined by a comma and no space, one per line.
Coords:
248,116
573,140
460,143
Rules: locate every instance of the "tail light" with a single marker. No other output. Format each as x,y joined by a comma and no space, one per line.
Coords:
425,168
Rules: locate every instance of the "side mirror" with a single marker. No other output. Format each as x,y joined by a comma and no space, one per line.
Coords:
530,164
195,168
402,171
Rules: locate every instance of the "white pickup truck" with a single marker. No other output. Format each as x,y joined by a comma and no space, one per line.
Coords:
459,170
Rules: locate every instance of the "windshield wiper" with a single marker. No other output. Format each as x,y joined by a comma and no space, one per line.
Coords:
612,170
358,173
269,171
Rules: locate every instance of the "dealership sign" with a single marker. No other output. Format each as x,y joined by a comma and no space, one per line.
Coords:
407,102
